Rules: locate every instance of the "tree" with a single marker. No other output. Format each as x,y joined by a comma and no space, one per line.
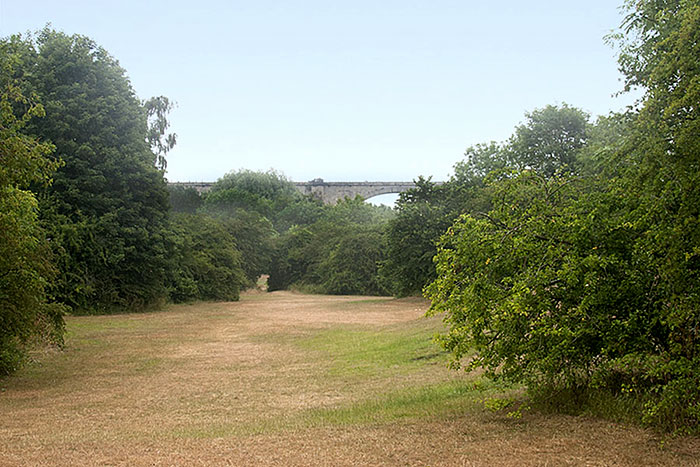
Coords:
253,236
550,140
423,214
542,286
266,193
106,210
157,110
184,199
291,258
351,267
338,253
588,279
25,267
659,49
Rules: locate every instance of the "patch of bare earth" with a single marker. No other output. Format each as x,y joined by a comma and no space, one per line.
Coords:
224,384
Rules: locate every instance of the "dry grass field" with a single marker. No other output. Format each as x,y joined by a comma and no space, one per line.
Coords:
286,379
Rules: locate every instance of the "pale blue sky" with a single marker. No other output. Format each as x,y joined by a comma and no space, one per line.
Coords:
347,90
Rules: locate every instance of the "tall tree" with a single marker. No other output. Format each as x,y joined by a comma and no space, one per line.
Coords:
423,214
206,265
548,142
266,193
107,207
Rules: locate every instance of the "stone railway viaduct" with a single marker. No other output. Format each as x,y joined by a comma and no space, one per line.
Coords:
329,192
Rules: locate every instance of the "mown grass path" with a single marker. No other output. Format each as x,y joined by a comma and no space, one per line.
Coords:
285,379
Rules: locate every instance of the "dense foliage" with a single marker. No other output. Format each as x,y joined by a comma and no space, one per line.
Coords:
25,267
265,193
584,275
107,208
423,214
205,262
113,242
339,253
300,242
547,142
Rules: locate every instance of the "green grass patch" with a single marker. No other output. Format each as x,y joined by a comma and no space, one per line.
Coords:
437,400
359,352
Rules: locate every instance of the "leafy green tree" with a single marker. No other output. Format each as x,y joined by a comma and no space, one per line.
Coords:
479,161
106,210
587,278
302,212
423,214
542,286
550,140
293,256
25,267
266,193
253,236
317,257
659,49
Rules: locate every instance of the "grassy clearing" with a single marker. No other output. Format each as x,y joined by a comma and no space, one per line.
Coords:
285,379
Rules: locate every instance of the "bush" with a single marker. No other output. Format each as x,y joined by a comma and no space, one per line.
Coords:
205,263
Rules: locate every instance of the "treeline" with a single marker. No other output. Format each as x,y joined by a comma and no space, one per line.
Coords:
568,257
84,214
86,224
297,240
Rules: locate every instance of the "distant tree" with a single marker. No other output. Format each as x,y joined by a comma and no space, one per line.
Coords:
303,211
338,253
480,161
550,140
293,255
423,214
266,193
253,235
351,267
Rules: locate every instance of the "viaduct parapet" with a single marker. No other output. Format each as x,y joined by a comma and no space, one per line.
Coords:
329,192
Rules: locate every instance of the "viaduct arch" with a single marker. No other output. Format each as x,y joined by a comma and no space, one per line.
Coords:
329,192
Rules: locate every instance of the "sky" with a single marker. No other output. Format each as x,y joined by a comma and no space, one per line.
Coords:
380,90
